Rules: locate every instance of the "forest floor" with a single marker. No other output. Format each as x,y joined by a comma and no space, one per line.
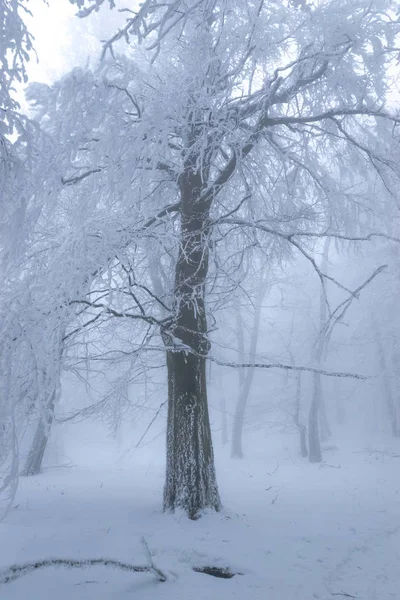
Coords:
291,530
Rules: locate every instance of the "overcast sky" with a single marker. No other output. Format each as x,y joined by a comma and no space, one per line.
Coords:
51,26
63,41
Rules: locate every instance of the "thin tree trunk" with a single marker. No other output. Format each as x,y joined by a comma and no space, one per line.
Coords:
237,432
246,379
300,426
238,419
224,421
314,443
315,454
340,411
396,395
325,429
33,464
387,389
190,472
41,437
303,441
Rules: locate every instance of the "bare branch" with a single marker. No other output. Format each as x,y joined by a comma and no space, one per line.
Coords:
289,238
81,327
341,310
235,365
164,212
147,318
180,347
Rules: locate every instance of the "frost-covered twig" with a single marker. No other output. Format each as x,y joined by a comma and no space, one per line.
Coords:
148,318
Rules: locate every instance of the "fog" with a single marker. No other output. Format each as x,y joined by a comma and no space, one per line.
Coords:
199,249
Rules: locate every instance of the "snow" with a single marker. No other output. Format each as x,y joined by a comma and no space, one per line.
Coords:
291,529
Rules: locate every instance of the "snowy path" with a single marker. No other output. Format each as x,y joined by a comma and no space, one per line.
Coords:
299,533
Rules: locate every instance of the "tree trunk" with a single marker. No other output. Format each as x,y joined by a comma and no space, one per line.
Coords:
38,447
190,480
300,426
34,460
35,457
340,411
190,472
224,420
238,419
325,429
314,444
387,388
246,379
237,450
303,441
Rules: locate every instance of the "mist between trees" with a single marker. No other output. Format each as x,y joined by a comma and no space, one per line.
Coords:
206,215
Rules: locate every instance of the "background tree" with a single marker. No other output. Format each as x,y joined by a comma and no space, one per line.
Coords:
246,375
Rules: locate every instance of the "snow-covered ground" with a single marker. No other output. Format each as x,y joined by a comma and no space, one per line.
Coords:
293,531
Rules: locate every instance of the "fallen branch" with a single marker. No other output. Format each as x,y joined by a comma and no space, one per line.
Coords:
159,573
342,593
16,571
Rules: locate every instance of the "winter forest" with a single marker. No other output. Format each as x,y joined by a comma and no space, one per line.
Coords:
199,299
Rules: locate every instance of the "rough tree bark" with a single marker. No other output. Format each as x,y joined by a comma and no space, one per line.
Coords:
190,473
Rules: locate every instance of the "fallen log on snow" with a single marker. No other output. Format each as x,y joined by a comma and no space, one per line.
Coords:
20,570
